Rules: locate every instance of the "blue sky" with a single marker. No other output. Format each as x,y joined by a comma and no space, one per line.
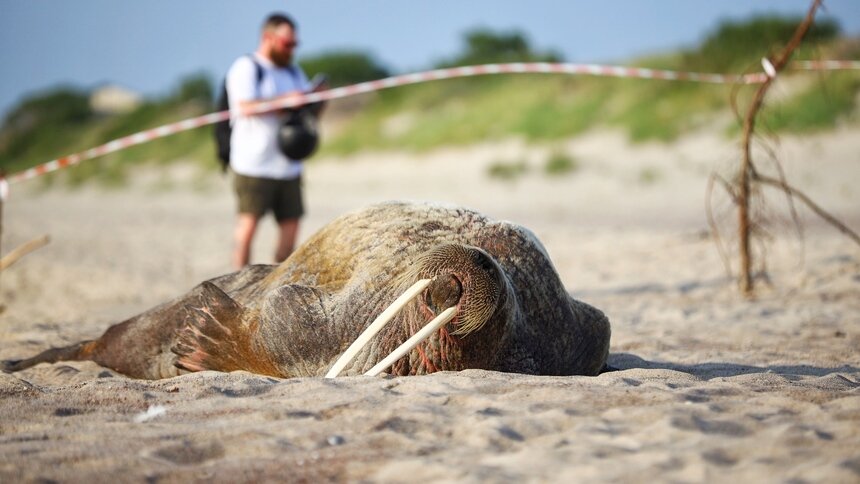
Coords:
148,46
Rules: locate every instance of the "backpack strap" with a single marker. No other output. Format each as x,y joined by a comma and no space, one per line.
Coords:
223,128
258,69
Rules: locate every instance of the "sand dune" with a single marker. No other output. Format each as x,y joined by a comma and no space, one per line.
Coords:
710,387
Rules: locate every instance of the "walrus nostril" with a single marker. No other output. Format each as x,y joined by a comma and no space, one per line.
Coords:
442,293
482,260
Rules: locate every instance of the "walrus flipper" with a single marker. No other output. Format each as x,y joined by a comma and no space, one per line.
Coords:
76,352
215,336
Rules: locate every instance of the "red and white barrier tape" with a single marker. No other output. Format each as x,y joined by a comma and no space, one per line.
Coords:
826,65
406,79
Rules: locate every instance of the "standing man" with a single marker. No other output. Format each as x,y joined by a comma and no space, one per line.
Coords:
264,178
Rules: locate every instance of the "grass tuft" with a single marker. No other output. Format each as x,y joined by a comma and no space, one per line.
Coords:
507,170
560,163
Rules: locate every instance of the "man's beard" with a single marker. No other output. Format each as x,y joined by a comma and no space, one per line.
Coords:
282,59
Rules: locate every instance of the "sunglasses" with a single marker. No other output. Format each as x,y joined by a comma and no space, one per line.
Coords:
287,41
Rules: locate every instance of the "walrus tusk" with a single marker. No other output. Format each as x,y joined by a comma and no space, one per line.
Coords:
377,324
421,335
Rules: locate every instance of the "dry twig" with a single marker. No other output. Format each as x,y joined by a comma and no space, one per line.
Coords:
748,172
22,250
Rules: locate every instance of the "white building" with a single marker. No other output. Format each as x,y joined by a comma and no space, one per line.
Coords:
113,99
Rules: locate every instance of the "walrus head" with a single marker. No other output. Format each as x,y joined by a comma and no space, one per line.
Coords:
470,280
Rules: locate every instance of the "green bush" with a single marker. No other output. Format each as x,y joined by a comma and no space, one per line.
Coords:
736,45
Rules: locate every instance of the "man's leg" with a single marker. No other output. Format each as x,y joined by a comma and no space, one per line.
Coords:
246,225
289,229
288,211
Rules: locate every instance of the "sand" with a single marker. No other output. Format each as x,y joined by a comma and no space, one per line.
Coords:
711,386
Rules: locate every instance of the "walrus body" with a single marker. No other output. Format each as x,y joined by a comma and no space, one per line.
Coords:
295,319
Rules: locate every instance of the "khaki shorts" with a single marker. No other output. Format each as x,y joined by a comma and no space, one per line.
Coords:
259,195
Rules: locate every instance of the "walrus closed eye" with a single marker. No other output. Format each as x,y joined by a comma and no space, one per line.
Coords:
487,287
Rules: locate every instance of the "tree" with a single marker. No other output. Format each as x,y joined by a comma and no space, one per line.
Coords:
484,46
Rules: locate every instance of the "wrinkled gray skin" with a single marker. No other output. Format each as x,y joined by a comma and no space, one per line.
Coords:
297,318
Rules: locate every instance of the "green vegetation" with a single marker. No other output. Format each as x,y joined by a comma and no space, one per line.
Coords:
42,126
344,67
507,170
485,46
560,163
818,107
60,122
543,108
648,176
557,164
539,108
738,46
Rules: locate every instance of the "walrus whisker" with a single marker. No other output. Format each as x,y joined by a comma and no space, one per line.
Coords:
377,324
415,340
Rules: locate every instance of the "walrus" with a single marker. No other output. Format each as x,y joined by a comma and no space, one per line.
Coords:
511,312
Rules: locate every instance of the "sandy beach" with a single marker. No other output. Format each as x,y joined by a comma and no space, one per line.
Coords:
711,386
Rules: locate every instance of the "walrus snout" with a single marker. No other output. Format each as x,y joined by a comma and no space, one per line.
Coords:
462,276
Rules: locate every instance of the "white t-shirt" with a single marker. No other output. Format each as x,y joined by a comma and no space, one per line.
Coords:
253,141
